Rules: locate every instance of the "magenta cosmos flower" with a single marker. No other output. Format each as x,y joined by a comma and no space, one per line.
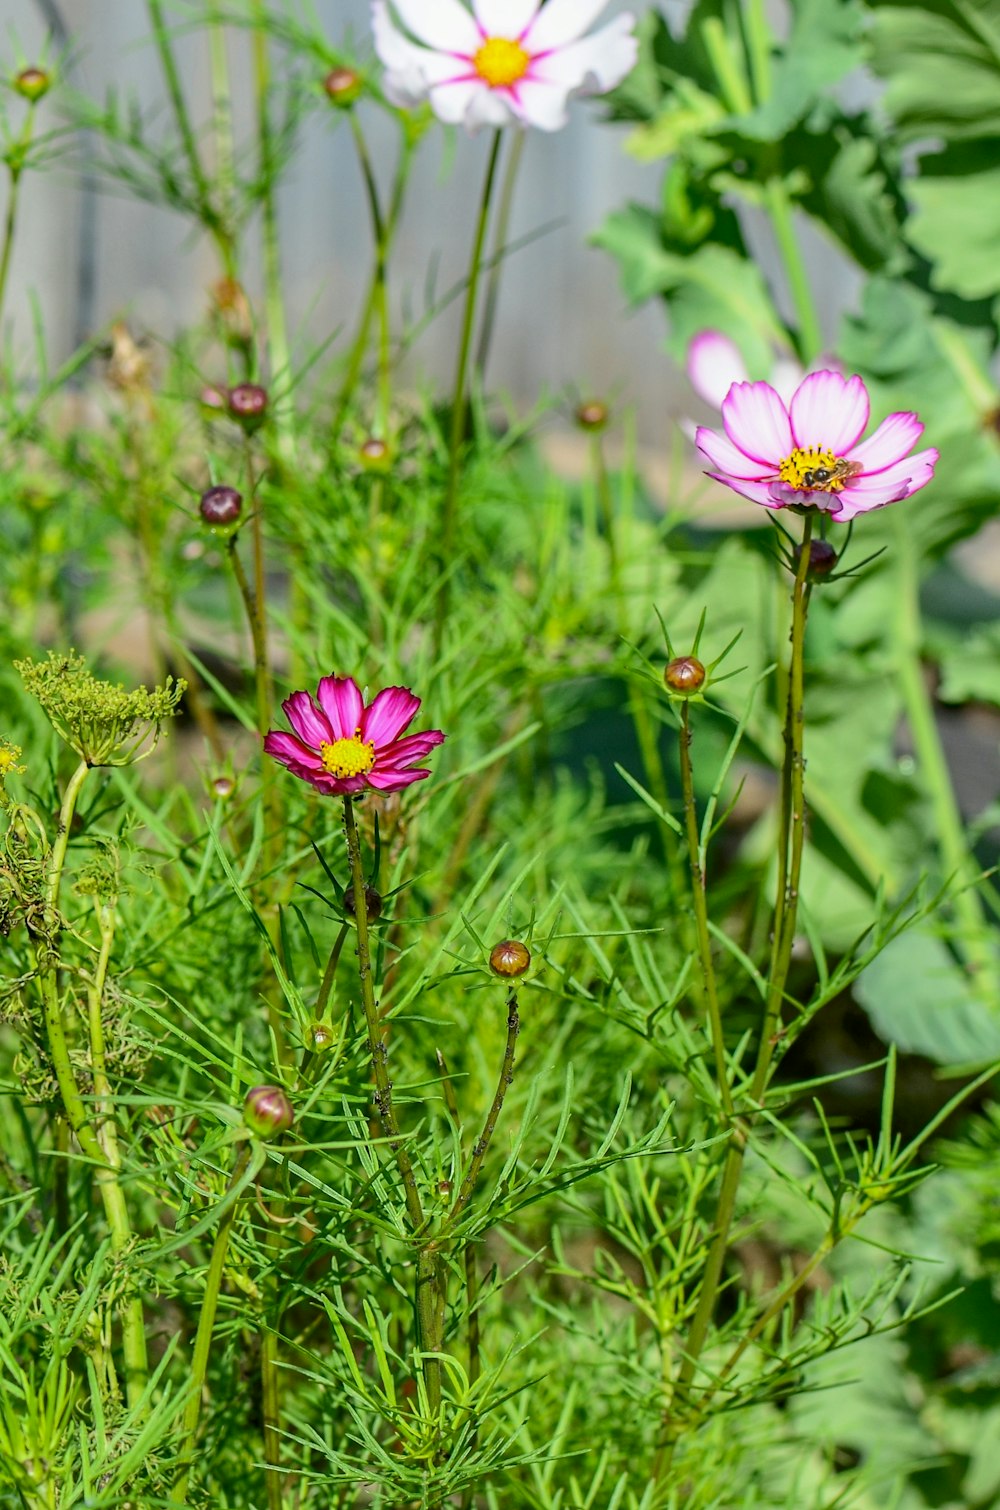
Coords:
811,453
503,61
343,745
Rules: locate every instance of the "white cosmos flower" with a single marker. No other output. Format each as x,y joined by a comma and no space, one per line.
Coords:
504,61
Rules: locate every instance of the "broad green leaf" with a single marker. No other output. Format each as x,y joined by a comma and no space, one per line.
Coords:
956,225
824,47
919,998
942,63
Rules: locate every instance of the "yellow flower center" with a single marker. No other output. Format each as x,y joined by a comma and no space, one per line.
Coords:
816,471
501,62
8,759
348,757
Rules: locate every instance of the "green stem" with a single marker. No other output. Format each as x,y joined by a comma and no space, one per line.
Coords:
958,864
504,212
181,116
459,402
481,1146
779,208
790,851
8,234
700,901
277,330
602,483
206,1327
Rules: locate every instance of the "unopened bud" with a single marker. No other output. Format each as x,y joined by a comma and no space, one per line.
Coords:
592,415
213,400
248,405
373,903
684,675
343,86
32,83
509,958
267,1111
375,455
221,506
822,559
444,1189
320,1037
223,787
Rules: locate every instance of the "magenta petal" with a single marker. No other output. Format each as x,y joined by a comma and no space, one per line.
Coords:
397,756
757,423
289,750
388,714
395,781
307,720
895,438
726,458
757,492
888,486
829,412
342,703
714,364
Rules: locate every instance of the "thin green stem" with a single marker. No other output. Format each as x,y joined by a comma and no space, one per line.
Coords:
504,213
460,400
779,208
481,1146
700,901
958,864
183,120
602,484
10,225
277,330
206,1327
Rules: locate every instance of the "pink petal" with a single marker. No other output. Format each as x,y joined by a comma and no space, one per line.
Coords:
562,21
292,753
395,781
307,720
411,70
757,423
388,714
714,364
725,457
404,751
595,64
444,24
757,492
539,104
342,703
889,486
505,18
895,438
830,412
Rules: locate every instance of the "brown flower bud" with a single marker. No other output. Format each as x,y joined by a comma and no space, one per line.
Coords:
375,455
509,959
684,675
822,559
373,903
248,405
267,1111
32,83
223,787
593,414
221,506
343,87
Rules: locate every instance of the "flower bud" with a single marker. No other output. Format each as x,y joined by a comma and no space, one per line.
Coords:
509,959
684,675
221,506
223,787
592,415
343,87
373,903
213,400
248,406
231,305
267,1111
375,455
32,83
320,1037
822,559
444,1189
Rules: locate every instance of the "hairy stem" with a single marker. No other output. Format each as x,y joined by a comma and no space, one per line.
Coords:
482,1144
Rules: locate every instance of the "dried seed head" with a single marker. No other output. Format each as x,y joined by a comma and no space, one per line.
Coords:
343,87
248,405
267,1111
221,506
592,415
685,675
509,959
373,903
32,83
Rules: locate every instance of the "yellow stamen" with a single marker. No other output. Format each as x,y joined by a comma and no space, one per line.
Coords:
348,757
501,62
813,470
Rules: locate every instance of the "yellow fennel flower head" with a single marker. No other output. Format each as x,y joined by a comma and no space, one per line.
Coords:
9,756
105,724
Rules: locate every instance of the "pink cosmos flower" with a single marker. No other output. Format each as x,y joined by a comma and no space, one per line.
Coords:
506,60
342,745
811,453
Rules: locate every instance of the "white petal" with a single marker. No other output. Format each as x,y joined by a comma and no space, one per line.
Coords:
594,64
540,105
470,103
505,18
445,24
562,21
489,107
714,364
411,70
